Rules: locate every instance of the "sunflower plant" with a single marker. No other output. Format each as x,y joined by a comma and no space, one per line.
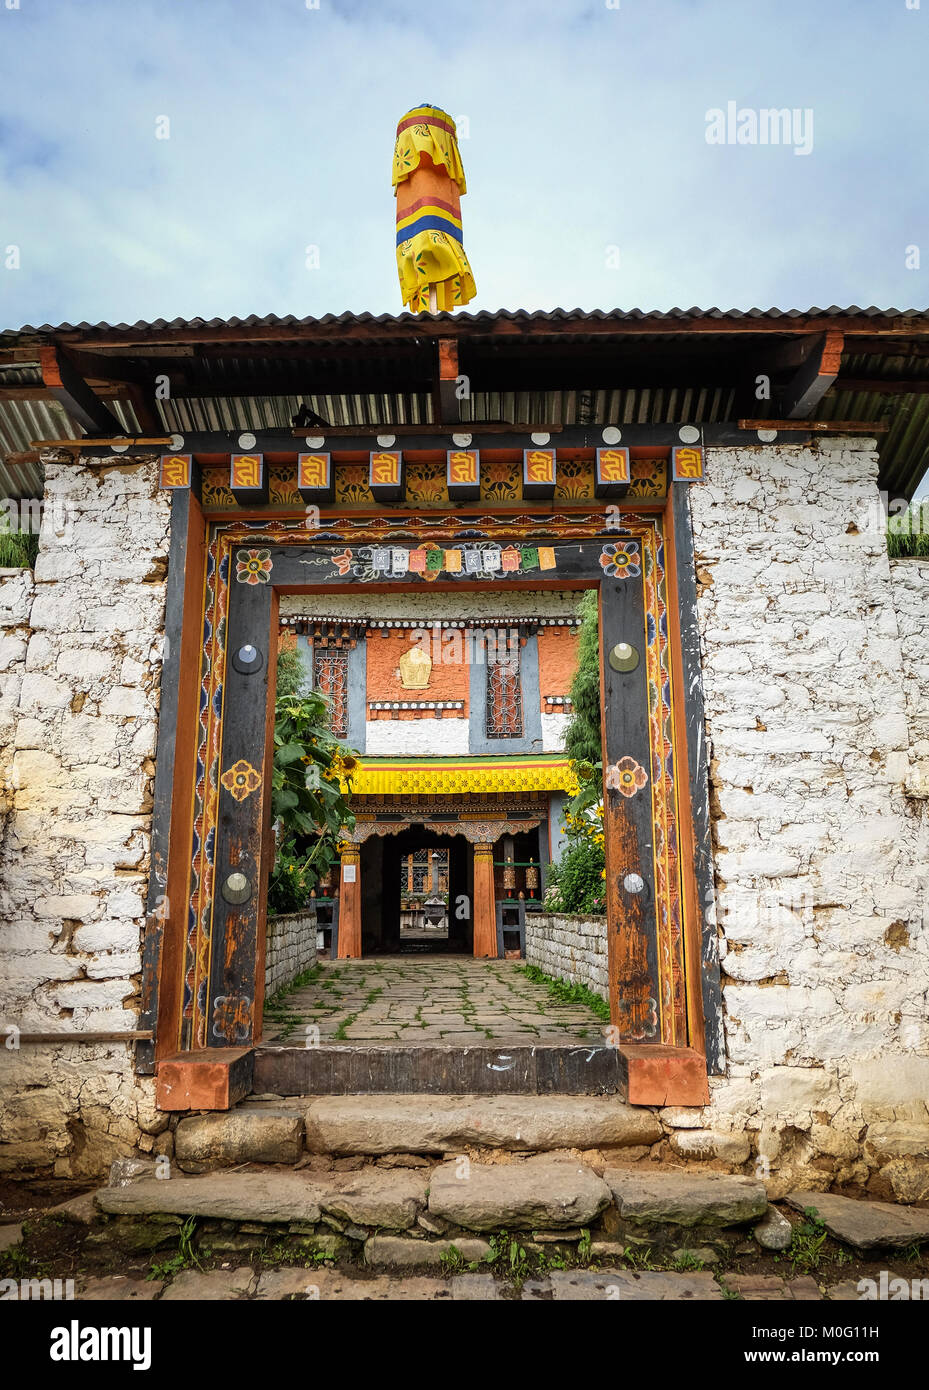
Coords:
576,883
310,797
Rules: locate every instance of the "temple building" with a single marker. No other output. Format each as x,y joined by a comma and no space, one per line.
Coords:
459,715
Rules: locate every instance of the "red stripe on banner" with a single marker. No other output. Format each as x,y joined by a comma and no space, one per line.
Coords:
430,203
425,120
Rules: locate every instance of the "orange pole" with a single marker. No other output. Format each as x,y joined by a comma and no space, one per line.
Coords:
485,907
350,905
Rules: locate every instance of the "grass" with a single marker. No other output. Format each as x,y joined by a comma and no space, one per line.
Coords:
18,549
567,993
908,535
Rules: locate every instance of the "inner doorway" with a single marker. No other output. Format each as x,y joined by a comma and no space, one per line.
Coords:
416,894
424,899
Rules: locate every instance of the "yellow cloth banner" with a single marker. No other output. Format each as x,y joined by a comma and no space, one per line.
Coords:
458,776
434,259
427,130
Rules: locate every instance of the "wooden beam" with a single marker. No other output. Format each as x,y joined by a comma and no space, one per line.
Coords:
812,380
446,402
70,389
818,426
22,460
884,385
146,411
77,1035
87,443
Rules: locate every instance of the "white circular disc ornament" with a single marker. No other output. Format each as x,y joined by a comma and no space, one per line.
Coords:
247,441
611,435
177,443
767,436
541,439
386,441
461,441
315,441
688,434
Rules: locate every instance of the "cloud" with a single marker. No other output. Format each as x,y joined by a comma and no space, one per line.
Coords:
586,132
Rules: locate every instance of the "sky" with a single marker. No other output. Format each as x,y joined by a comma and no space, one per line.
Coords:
591,182
584,129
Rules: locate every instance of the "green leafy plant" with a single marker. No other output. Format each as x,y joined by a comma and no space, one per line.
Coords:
453,1262
185,1256
508,1258
310,796
805,1249
576,883
582,739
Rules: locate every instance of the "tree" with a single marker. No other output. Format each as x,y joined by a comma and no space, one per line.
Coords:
582,740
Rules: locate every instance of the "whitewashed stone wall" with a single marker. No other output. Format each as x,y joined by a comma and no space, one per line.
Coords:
821,859
910,580
417,738
79,681
290,948
571,948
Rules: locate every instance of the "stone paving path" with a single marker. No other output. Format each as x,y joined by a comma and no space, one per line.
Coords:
429,999
559,1286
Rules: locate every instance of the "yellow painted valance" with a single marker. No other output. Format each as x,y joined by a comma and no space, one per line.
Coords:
458,776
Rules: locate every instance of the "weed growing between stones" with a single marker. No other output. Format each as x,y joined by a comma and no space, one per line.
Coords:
186,1256
806,1247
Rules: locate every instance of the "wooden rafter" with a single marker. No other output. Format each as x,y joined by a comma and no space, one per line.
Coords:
68,387
812,380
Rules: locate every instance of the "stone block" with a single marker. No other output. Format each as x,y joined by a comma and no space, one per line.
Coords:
242,1135
686,1198
545,1194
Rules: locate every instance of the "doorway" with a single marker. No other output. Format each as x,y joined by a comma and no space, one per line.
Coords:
416,894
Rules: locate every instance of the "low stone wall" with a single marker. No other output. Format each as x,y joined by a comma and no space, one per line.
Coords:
571,948
290,947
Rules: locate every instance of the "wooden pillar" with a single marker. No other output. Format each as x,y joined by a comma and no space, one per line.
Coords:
485,906
350,904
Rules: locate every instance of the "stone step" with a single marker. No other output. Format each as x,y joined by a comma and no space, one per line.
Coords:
260,1132
396,1068
865,1225
424,1209
447,1124
686,1199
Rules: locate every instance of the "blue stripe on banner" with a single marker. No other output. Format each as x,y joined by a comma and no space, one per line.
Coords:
429,223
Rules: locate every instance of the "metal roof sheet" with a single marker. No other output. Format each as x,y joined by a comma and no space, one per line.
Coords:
482,316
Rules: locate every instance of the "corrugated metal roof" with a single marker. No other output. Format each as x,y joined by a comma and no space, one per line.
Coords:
344,368
483,316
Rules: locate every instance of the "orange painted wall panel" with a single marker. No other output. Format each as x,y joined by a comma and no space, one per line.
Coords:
557,660
448,680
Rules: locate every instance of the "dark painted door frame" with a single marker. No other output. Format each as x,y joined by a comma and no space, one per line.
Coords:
232,987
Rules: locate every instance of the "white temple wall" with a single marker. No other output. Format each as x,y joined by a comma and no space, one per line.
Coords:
80,666
822,861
